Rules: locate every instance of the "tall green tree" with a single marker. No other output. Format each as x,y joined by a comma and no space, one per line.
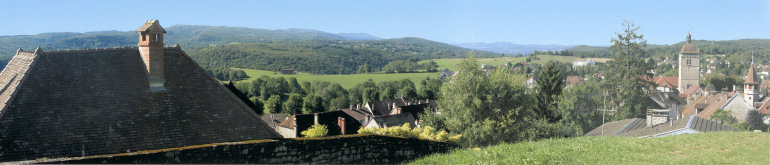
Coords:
294,86
627,76
407,91
293,104
371,94
549,87
312,104
485,110
273,104
577,106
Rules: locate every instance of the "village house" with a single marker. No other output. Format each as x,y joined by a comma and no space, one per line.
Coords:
69,103
288,71
583,62
383,113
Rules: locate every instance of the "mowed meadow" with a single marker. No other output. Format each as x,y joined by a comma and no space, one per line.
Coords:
349,80
700,148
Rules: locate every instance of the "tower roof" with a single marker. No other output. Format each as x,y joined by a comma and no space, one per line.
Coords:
751,76
151,25
688,48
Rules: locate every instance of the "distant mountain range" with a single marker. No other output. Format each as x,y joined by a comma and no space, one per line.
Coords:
188,36
511,48
258,48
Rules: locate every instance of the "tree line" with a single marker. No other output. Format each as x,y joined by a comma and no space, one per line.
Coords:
287,95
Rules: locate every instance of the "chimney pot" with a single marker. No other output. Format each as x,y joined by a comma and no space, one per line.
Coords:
315,118
151,50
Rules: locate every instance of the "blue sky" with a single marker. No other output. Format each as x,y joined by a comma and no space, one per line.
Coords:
522,22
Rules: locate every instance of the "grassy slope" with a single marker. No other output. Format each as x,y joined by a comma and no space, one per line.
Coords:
347,81
452,63
703,148
350,80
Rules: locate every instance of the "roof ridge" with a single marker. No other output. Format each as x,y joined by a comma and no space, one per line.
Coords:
689,122
91,50
24,76
627,125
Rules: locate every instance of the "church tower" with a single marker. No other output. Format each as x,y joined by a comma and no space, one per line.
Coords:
151,49
689,65
751,86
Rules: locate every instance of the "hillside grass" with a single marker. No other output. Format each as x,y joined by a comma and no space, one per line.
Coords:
451,63
349,80
346,81
701,148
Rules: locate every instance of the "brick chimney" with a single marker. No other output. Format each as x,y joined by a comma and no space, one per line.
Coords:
151,50
341,123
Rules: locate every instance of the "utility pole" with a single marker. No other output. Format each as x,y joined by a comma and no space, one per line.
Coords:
604,109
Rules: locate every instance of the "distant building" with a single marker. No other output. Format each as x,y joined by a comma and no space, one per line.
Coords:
583,62
288,71
689,65
116,100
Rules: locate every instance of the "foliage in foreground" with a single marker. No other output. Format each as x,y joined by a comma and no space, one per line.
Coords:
701,148
426,133
317,130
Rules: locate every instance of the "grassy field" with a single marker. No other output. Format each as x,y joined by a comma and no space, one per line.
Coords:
702,148
347,81
350,80
452,63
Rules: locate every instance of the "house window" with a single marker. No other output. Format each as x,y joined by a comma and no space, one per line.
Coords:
689,61
144,37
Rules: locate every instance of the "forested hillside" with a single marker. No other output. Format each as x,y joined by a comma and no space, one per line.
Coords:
325,56
218,47
189,36
734,50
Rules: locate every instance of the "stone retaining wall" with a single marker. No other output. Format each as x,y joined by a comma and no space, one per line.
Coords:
336,150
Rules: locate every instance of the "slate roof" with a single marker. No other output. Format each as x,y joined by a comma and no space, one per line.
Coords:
393,120
636,127
97,101
694,123
617,127
357,113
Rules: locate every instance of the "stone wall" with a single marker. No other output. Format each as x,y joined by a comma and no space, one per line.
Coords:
334,150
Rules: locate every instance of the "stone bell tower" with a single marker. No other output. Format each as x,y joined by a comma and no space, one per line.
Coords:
689,65
151,49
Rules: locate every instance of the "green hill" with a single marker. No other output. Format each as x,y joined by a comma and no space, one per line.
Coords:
224,47
735,50
325,56
702,148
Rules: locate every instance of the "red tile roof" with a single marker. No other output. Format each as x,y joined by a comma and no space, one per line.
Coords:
671,82
765,108
574,80
751,76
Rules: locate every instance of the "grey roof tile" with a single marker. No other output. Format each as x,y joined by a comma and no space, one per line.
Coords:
89,102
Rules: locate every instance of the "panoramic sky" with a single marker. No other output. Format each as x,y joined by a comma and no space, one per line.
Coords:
521,22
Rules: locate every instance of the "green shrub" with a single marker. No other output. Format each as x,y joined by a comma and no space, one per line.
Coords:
317,130
426,133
